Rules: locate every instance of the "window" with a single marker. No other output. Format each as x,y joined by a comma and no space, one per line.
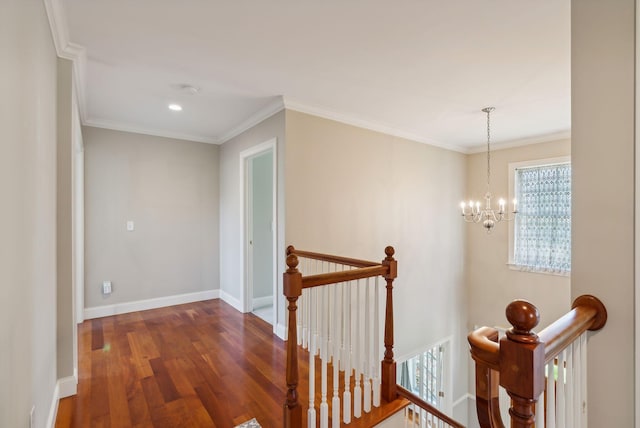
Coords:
541,233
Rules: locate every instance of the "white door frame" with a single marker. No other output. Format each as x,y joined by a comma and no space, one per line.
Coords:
245,289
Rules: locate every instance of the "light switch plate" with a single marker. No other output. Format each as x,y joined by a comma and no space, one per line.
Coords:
106,287
130,226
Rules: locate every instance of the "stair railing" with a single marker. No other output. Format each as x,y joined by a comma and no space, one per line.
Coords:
324,316
550,365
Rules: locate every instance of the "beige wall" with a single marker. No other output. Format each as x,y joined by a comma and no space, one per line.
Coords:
491,283
352,191
169,188
603,114
231,217
65,323
28,214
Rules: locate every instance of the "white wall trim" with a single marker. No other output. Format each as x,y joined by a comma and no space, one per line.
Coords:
53,409
463,399
266,112
245,155
366,124
259,302
65,387
281,331
539,139
143,305
119,126
228,298
68,50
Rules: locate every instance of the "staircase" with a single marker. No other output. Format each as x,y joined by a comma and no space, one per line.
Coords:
334,355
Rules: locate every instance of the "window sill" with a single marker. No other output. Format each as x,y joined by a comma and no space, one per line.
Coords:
530,269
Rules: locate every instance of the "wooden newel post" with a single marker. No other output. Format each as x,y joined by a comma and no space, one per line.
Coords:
522,363
388,364
292,289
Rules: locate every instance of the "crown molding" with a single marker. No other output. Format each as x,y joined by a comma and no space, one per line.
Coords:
266,112
66,49
563,135
119,126
372,126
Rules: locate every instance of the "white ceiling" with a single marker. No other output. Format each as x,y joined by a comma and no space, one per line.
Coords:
421,69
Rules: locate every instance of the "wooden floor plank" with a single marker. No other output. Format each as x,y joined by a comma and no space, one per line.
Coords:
202,364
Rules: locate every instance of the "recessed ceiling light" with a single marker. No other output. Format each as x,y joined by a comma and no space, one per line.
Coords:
175,107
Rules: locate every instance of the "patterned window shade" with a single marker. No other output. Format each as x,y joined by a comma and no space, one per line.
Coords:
543,224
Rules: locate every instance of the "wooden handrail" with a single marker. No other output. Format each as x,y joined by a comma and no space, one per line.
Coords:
343,276
587,313
518,361
330,258
484,347
403,392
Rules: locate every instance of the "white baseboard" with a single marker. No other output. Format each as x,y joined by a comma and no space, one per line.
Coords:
281,331
260,302
143,305
231,300
65,387
463,399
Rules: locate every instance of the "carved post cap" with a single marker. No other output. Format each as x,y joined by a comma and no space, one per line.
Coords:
524,317
290,249
292,263
389,251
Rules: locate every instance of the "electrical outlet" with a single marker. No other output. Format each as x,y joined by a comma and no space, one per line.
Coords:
106,287
32,417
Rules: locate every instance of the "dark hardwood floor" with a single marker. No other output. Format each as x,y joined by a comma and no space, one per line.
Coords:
201,364
196,365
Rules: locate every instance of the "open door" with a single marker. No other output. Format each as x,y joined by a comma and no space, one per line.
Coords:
259,237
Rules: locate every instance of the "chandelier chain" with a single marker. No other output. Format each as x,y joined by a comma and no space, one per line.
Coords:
488,147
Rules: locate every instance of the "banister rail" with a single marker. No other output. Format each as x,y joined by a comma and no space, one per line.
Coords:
432,411
330,258
517,362
294,282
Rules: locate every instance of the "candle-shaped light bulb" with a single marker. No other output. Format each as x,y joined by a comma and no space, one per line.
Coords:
515,205
462,205
478,206
501,204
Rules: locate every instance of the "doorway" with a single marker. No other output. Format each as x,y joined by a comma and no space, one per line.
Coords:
259,237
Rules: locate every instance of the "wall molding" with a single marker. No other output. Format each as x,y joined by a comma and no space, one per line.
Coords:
66,49
563,135
125,127
281,331
366,124
463,398
259,302
228,298
146,304
65,387
266,112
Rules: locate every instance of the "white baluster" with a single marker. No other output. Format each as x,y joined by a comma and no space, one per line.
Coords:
577,399
357,391
311,413
376,346
550,405
335,403
569,396
560,392
346,395
583,381
305,310
367,349
324,406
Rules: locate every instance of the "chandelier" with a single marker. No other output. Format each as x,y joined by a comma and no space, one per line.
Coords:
473,212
